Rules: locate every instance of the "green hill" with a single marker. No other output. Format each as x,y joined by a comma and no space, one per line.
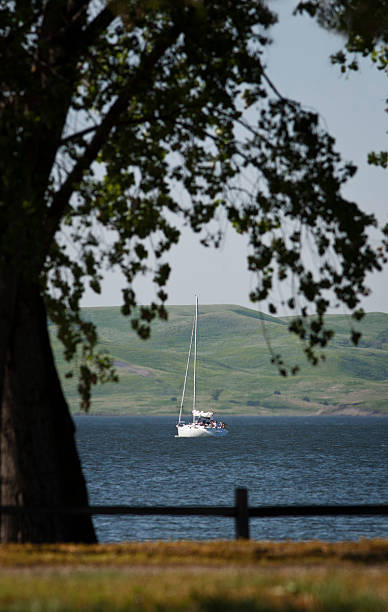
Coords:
235,374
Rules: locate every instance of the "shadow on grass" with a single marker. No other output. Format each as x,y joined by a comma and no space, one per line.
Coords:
305,604
247,605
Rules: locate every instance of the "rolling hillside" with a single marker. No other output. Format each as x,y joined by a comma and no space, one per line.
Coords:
235,374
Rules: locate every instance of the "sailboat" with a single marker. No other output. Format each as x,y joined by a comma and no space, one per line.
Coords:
203,423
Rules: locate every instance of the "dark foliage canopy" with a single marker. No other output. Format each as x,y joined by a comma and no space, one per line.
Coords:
121,120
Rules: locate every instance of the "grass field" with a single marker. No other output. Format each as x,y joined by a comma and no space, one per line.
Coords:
235,374
196,577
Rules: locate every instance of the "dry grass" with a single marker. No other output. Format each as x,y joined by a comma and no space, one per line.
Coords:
212,553
196,577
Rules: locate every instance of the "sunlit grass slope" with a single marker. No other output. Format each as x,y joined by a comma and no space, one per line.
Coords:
235,373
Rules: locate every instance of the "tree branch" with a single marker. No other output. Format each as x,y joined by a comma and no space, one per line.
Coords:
277,92
146,67
129,122
96,26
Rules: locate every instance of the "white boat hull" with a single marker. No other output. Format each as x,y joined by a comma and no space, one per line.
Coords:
192,430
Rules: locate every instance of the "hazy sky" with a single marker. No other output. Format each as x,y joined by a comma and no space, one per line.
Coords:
352,109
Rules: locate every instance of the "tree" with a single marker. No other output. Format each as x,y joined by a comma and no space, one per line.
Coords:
117,119
362,23
364,26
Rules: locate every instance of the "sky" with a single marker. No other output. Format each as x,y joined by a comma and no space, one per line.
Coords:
352,110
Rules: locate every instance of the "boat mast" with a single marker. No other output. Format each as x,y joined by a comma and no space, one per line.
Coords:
187,368
195,354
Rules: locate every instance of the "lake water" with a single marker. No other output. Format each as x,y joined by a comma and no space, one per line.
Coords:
281,460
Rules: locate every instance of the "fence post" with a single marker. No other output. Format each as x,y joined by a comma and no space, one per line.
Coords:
242,513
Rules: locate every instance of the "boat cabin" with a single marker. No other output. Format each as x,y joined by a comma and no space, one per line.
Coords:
203,418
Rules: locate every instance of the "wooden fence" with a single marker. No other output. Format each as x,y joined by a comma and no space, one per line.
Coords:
241,511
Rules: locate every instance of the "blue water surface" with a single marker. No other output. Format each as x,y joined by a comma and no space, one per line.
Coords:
281,460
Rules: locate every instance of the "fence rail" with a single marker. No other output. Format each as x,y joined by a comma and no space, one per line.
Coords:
241,511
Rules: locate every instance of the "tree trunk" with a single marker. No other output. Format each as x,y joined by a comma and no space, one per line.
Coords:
8,289
39,460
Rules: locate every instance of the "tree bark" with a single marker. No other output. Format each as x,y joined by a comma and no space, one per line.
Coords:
8,289
39,460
